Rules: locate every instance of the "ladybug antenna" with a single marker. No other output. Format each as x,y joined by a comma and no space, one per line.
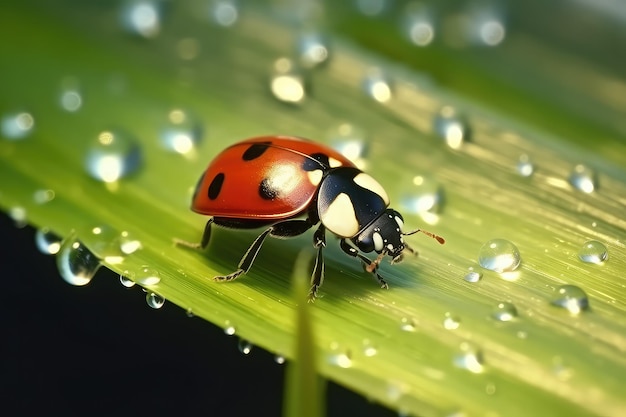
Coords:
427,233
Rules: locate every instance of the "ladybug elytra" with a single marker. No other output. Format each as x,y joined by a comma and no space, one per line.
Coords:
289,185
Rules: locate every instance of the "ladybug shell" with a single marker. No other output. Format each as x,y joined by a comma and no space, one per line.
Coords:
265,178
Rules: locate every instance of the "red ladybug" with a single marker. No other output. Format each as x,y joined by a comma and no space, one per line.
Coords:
289,185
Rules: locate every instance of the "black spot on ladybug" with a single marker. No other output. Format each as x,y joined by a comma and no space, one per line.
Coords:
266,191
314,161
216,186
255,150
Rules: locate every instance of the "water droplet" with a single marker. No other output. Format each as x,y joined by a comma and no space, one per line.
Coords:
341,359
43,196
17,125
189,312
593,252
70,98
408,324
473,276
486,26
583,179
377,85
77,264
106,245
154,300
371,7
312,49
279,359
369,348
419,26
182,133
229,329
469,358
451,126
451,322
142,17
128,244
504,312
244,346
112,156
424,197
224,12
571,298
47,242
525,166
499,255
18,215
350,142
287,83
148,276
126,282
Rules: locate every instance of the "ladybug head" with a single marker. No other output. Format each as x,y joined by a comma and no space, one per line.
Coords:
385,237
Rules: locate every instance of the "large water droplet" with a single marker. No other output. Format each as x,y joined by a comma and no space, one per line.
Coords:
469,358
182,133
154,300
17,125
126,281
377,85
142,17
287,82
224,12
148,276
419,26
472,276
525,166
112,156
583,179
77,264
451,126
593,252
244,346
499,255
47,242
106,244
313,49
504,312
571,298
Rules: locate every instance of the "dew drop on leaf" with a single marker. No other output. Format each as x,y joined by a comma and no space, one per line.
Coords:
499,255
113,155
76,263
47,242
593,252
504,311
148,276
571,298
17,125
154,300
583,179
181,133
244,346
451,126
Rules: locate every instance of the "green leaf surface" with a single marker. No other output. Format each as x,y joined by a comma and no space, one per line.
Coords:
428,346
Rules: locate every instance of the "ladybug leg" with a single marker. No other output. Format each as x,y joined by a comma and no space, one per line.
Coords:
369,264
317,277
206,236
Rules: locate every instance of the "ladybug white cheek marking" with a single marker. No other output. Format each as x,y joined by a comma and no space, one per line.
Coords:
315,177
378,241
334,163
369,183
399,221
340,218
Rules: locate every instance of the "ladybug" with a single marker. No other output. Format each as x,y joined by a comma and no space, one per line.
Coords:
288,185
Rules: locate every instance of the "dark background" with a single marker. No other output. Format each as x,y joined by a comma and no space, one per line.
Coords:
100,350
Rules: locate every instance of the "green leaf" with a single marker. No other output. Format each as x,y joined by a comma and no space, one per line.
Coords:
434,344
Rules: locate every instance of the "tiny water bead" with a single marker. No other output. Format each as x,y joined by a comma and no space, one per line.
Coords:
76,263
126,282
583,179
18,215
571,298
70,98
504,312
593,252
287,82
17,125
224,12
154,300
472,276
451,126
419,24
312,49
142,17
469,358
279,359
229,328
377,85
408,324
525,166
244,346
128,244
451,321
424,196
48,242
369,348
182,132
499,255
43,196
148,276
341,359
113,155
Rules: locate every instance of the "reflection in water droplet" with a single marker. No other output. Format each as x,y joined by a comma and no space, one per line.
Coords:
418,24
350,142
424,197
499,255
469,358
583,179
244,346
287,82
128,245
18,215
377,85
593,252
525,166
504,312
126,282
229,329
106,244
224,12
182,133
112,156
142,17
47,242
148,276
279,359
451,322
17,125
77,264
371,7
408,324
571,298
154,300
473,276
43,196
313,49
452,127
